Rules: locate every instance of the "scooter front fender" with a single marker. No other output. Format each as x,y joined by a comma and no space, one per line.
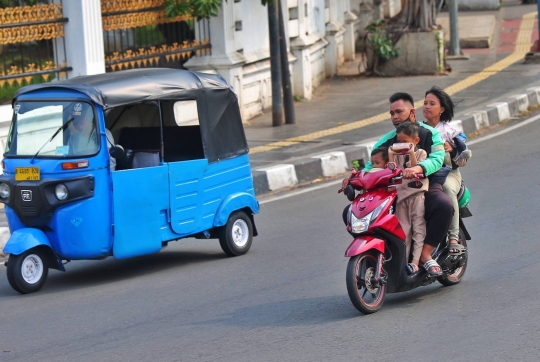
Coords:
364,243
27,238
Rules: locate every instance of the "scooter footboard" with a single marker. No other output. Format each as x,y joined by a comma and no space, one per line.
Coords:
364,243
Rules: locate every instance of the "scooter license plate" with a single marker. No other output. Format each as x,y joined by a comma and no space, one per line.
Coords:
27,174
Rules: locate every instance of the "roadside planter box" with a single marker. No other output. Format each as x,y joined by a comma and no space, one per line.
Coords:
422,53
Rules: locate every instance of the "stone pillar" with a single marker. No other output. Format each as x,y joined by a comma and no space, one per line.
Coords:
310,13
225,60
349,38
84,37
334,36
301,70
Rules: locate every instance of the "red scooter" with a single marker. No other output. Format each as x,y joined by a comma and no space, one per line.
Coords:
377,263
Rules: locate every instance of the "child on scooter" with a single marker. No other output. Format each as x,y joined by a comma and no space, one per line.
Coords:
379,159
410,204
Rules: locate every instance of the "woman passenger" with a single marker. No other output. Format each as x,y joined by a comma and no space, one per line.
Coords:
438,111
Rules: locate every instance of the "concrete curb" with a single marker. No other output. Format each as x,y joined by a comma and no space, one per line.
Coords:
332,163
4,236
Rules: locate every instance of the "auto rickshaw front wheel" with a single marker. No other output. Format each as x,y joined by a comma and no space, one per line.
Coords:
236,236
28,271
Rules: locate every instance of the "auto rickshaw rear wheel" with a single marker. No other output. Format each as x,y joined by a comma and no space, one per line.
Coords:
27,272
236,236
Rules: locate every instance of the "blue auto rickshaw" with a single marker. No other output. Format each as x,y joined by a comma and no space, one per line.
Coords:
119,164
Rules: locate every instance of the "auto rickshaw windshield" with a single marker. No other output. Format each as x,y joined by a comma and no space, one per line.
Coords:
53,129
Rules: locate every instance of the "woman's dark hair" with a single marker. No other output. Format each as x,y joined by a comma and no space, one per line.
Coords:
410,129
446,103
383,151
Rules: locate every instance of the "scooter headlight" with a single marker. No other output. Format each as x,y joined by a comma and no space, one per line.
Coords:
4,191
61,192
359,225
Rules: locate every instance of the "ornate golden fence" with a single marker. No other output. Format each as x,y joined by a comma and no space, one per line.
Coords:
31,39
138,35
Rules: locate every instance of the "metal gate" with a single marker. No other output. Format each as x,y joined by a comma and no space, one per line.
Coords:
32,44
137,34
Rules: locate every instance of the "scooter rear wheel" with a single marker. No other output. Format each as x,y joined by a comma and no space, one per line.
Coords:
459,273
28,271
364,296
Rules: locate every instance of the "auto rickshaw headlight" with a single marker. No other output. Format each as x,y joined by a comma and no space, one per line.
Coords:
61,192
4,191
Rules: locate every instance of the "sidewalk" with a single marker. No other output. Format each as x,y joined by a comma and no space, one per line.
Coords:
348,113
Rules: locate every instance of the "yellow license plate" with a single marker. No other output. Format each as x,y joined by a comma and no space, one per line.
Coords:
27,174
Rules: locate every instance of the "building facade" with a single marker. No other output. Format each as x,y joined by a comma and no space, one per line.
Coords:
96,36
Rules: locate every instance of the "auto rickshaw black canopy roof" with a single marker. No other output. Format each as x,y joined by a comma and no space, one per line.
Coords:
219,113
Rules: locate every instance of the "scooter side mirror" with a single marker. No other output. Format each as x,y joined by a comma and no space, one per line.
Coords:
349,191
117,152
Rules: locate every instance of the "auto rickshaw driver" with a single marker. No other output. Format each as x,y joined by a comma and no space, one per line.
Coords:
84,139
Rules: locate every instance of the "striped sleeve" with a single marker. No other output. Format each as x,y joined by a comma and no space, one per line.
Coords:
436,157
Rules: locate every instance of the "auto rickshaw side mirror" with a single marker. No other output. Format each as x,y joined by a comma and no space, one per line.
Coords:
117,152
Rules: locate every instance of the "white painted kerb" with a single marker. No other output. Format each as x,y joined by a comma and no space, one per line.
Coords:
502,109
280,176
333,163
4,236
523,101
481,119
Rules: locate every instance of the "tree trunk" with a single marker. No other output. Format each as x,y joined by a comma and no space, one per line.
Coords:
418,15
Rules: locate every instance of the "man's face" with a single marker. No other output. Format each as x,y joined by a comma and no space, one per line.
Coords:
83,121
400,111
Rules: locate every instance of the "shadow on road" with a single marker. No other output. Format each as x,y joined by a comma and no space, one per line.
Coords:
84,274
289,313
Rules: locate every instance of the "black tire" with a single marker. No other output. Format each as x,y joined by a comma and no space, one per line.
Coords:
363,296
28,271
236,236
458,274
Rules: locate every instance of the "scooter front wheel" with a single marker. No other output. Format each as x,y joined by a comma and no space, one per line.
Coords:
365,296
28,271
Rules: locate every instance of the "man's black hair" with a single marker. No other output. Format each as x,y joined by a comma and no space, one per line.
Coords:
383,151
409,128
405,97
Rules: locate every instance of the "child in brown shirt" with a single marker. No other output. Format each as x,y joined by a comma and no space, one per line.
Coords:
410,204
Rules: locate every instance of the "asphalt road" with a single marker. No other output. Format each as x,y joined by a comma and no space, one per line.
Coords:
286,300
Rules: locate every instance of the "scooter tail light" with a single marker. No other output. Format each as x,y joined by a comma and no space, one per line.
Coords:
74,165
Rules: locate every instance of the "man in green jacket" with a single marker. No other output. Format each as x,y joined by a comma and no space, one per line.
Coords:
439,209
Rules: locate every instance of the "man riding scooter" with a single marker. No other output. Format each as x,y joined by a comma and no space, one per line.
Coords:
438,206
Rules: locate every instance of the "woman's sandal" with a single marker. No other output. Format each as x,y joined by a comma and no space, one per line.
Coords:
430,265
458,249
412,268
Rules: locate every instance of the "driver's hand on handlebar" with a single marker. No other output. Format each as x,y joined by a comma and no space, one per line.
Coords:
411,172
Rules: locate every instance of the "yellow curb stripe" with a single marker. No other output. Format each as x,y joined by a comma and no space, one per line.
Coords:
523,45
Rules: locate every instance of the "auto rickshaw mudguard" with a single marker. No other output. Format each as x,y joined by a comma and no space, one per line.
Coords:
231,203
27,238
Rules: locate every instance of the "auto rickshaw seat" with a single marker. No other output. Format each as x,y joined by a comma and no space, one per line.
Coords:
180,143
